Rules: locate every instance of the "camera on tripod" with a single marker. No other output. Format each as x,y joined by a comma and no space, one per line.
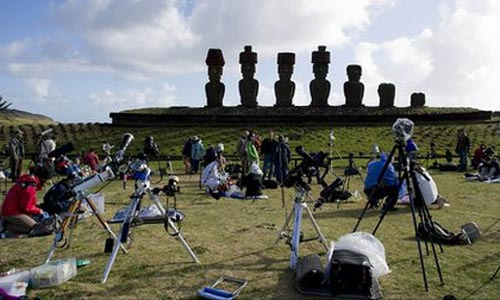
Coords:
332,193
351,169
309,167
172,187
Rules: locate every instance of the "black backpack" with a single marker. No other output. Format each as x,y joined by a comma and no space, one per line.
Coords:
350,273
468,234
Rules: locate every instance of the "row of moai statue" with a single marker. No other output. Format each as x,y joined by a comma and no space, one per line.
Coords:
284,88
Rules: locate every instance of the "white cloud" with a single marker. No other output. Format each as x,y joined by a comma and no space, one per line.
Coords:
111,100
13,49
156,36
44,92
454,64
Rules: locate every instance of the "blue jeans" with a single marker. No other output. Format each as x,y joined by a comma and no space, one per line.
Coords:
268,166
195,164
463,160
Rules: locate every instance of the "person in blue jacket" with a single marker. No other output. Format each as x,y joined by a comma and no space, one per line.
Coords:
387,188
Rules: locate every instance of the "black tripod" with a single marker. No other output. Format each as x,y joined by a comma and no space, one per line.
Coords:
407,175
351,171
495,274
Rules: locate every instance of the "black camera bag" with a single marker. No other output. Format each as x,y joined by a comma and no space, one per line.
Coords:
350,273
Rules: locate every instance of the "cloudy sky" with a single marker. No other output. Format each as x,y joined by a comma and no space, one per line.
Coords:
78,60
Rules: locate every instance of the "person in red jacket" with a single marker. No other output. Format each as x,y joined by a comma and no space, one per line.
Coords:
19,209
91,159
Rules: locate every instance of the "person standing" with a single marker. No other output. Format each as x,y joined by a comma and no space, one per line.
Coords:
462,149
46,146
186,155
281,156
197,153
241,149
252,154
266,150
16,154
106,148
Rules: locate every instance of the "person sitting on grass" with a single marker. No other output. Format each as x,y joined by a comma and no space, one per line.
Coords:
58,197
387,188
218,183
479,155
489,169
19,209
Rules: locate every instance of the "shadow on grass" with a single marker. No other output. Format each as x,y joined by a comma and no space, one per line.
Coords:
263,263
474,292
356,212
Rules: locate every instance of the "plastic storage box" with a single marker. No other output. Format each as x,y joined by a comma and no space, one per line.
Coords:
53,273
13,284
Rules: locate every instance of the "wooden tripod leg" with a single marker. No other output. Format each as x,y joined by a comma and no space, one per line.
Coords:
105,224
60,233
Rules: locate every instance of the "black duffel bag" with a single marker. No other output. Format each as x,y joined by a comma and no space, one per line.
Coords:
350,273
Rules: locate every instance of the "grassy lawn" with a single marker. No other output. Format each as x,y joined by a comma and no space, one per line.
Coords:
235,237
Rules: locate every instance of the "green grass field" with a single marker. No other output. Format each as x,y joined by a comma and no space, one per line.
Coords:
349,138
235,237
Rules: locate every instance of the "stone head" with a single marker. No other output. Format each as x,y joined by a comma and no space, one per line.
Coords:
248,59
320,60
354,72
215,62
286,60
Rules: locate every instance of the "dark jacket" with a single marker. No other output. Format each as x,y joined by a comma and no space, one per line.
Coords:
57,198
186,150
267,146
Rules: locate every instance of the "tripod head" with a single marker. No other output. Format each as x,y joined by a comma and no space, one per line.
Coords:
310,166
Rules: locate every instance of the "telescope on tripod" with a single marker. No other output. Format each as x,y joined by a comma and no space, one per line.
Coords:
132,217
403,130
302,189
62,239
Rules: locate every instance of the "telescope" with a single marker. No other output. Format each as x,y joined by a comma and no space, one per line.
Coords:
62,150
126,140
310,166
93,180
46,131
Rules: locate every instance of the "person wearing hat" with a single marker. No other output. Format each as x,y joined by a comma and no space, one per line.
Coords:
19,209
197,153
16,154
57,199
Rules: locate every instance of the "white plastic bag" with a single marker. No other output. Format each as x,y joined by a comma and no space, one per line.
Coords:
366,244
151,211
99,202
427,186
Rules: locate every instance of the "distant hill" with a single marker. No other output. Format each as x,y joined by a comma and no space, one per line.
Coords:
18,117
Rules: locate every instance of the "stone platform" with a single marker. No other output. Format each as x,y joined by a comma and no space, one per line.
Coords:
239,115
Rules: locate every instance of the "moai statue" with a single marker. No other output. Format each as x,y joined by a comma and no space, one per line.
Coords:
284,88
319,87
214,89
248,86
353,88
417,100
386,94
